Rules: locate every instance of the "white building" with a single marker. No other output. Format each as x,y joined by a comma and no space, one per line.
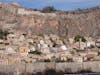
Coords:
32,48
63,47
23,11
90,43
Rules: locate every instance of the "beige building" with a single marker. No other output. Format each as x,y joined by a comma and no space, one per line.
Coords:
24,50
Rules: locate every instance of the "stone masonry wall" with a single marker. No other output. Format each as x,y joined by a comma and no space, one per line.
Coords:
41,67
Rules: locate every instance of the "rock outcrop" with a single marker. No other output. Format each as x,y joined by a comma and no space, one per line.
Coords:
66,24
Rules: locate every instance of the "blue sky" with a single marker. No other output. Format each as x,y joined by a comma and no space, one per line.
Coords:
58,4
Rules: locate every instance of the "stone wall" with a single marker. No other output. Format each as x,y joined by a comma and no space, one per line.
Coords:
59,67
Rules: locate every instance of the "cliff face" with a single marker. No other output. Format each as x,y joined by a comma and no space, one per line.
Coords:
68,24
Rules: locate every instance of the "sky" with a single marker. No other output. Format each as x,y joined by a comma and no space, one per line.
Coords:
58,4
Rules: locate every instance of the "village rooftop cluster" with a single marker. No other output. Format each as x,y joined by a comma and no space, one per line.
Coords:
16,47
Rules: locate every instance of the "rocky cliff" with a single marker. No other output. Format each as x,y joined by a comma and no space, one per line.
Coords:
67,24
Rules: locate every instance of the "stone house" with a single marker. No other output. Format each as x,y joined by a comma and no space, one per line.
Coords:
42,42
10,50
82,45
97,43
29,40
1,41
16,39
21,38
63,58
43,47
83,54
36,57
13,58
93,53
71,40
64,47
2,47
11,37
96,58
53,50
32,48
49,56
50,44
66,54
24,50
45,50
77,59
88,55
79,45
23,11
90,42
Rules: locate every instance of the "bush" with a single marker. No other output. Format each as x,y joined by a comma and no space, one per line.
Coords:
47,60
35,52
59,60
48,9
3,34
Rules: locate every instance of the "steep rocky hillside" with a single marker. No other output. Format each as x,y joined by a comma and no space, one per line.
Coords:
67,24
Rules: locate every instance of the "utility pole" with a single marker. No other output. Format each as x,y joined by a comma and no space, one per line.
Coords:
79,43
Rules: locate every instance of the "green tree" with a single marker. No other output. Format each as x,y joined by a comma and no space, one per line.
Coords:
78,37
48,9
